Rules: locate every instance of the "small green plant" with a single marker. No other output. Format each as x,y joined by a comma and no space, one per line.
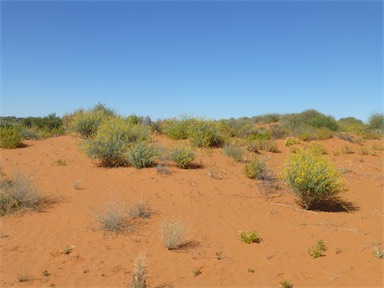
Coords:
234,151
318,250
10,137
172,234
45,273
219,255
254,145
197,271
249,237
251,270
363,151
312,177
139,273
182,156
378,253
60,162
142,155
67,250
114,218
255,169
286,284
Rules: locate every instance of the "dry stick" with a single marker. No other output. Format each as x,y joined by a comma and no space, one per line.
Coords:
290,206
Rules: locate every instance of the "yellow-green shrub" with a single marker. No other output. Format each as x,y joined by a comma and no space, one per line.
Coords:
10,137
255,169
182,156
112,140
312,176
205,133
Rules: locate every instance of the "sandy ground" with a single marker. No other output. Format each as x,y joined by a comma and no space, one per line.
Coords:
215,202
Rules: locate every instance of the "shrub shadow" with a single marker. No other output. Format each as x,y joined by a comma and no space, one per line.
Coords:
335,205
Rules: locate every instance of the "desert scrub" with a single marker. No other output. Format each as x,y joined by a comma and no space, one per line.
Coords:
182,156
312,176
142,155
177,128
114,218
18,194
291,141
111,143
139,273
234,151
10,137
205,133
318,250
255,169
262,144
172,234
249,237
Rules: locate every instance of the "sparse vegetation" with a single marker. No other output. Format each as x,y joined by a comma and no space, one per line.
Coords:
286,284
312,177
59,162
114,218
318,250
18,194
249,237
255,169
376,122
67,250
196,272
378,253
140,209
139,273
205,133
234,151
172,234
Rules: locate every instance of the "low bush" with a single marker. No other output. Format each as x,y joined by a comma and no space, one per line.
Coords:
205,133
182,156
261,144
139,273
177,128
112,141
312,177
114,218
10,137
255,169
234,151
172,234
142,155
18,194
376,122
29,134
318,250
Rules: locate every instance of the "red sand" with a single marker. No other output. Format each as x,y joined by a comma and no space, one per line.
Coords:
214,210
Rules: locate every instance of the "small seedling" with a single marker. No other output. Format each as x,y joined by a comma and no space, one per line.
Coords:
286,284
139,273
318,250
378,253
249,237
251,270
219,255
196,271
67,250
46,273
60,162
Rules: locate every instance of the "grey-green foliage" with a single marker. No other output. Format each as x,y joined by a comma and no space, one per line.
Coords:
142,155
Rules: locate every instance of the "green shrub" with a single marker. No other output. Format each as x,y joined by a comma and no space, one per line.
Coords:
86,123
142,155
351,124
249,237
177,128
112,140
261,144
376,122
182,156
10,137
322,121
312,177
29,134
205,133
234,151
318,250
255,169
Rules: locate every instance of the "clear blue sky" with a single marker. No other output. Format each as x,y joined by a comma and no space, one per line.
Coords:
217,59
